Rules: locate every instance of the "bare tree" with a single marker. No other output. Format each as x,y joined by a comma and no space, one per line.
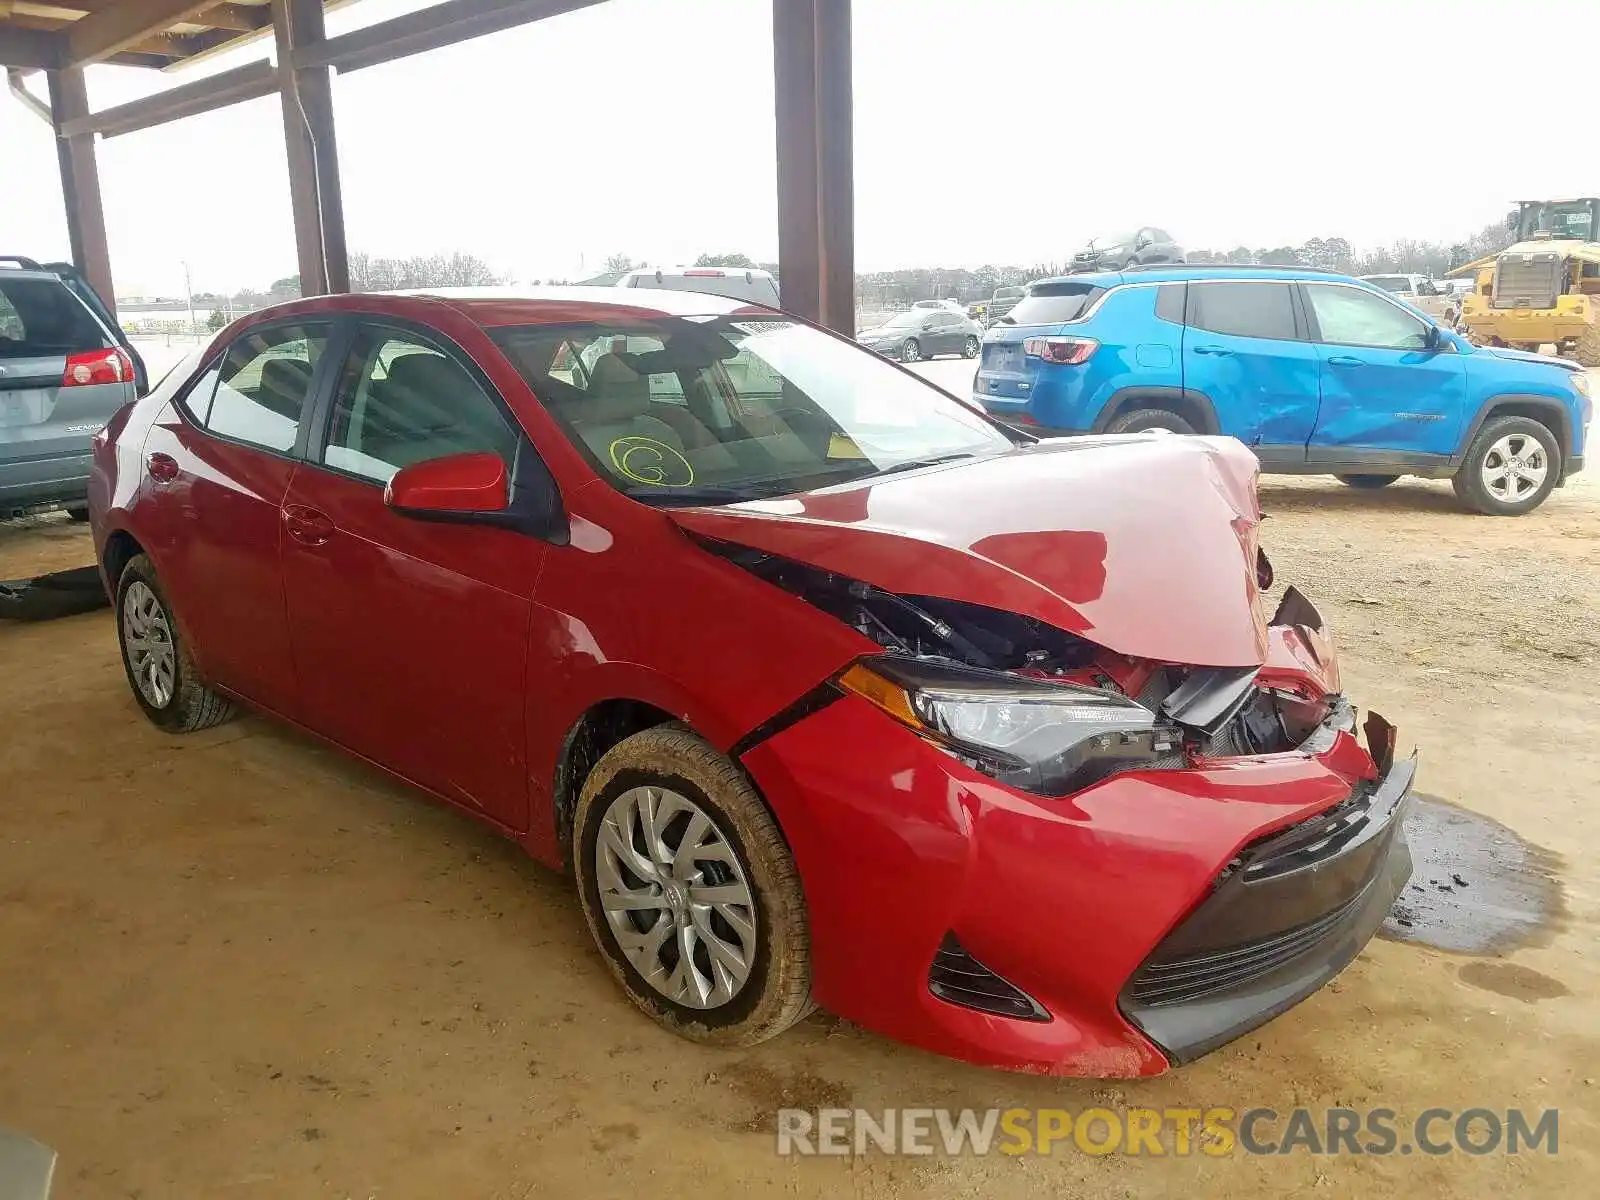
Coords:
620,264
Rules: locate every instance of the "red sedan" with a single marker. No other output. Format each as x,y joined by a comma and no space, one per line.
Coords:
824,687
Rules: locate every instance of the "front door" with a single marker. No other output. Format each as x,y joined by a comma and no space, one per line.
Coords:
1244,351
1385,393
411,637
217,462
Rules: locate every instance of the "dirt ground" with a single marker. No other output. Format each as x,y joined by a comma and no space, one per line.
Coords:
239,965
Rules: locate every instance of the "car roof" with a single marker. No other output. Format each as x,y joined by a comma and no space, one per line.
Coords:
1184,272
490,307
725,271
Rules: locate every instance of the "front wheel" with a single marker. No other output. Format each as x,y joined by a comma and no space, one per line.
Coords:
1586,346
969,348
1510,467
690,892
1366,482
160,670
910,351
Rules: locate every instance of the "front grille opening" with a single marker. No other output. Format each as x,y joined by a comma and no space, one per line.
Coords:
1195,976
958,978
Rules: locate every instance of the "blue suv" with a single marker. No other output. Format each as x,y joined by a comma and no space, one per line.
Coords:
1318,373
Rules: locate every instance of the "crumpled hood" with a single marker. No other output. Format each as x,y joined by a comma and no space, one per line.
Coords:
1144,544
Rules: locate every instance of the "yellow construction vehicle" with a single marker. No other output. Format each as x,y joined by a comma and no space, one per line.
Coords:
1544,288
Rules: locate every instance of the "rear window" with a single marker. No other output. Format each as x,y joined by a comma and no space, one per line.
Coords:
1256,310
1054,303
40,317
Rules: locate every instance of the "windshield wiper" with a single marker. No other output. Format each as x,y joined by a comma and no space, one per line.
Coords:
915,464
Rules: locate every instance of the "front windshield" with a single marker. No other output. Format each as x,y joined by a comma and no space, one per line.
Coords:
716,409
906,320
1121,239
1571,219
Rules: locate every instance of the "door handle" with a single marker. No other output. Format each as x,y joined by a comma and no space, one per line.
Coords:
306,525
1219,351
163,468
1345,360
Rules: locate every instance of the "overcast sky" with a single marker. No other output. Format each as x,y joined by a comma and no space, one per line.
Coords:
987,131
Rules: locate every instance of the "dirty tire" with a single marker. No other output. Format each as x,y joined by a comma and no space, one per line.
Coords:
777,992
1468,479
192,705
911,351
1586,347
1140,419
1366,483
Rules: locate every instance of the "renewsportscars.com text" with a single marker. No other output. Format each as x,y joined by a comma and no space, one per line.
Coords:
1214,1131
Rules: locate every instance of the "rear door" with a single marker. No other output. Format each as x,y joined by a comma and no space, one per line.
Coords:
1244,350
48,413
218,462
1384,391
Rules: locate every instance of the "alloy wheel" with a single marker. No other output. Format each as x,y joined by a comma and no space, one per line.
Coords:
147,635
1514,468
675,896
910,352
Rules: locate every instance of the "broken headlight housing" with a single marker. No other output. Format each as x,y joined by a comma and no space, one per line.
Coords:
1033,734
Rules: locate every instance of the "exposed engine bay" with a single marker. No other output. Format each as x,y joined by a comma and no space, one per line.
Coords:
1207,712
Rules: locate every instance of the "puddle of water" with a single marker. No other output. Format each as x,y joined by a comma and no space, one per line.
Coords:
1476,887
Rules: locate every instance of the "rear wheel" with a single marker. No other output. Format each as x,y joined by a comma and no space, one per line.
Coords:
160,670
969,348
1586,346
910,351
1367,482
1140,419
1510,467
690,891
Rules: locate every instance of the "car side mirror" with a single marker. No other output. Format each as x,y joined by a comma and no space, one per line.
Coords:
459,487
1434,339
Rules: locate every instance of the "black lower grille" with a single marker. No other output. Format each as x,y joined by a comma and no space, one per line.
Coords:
1194,976
959,978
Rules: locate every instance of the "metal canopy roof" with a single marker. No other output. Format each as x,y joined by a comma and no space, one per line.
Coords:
812,86
50,34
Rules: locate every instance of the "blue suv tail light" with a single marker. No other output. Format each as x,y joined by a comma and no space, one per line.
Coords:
1068,351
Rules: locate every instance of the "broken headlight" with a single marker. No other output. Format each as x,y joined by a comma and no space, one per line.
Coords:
1043,737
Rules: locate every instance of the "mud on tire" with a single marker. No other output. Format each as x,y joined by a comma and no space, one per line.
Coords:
777,990
188,705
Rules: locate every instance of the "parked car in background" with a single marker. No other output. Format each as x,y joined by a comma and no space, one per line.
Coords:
1409,286
1134,247
65,368
920,333
1317,372
954,306
736,283
987,312
959,687
1424,294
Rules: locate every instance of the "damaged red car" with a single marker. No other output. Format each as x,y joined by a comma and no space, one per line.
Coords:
826,689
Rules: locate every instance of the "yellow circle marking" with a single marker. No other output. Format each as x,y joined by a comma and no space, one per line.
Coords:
645,460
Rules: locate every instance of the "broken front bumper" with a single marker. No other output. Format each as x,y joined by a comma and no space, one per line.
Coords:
1287,915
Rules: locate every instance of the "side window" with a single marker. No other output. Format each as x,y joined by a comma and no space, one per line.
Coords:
1169,302
259,390
403,400
1257,310
1348,316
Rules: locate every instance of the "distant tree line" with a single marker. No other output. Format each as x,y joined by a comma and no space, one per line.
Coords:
1406,256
